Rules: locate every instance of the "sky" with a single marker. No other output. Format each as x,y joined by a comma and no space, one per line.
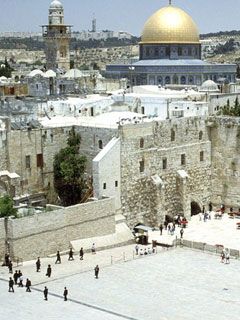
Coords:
125,15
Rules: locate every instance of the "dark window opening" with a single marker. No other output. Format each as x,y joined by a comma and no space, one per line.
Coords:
200,135
116,184
172,135
104,186
141,168
141,143
164,163
40,160
183,159
201,156
100,144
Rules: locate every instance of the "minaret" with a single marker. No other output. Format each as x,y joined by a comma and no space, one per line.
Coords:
57,37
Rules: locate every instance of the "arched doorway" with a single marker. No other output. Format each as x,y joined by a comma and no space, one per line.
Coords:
195,208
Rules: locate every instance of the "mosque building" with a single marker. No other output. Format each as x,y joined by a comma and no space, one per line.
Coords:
57,37
170,53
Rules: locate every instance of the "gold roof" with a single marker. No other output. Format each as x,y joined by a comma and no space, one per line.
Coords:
170,25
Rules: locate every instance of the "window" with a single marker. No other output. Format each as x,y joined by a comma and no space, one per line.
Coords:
200,135
172,135
201,156
183,159
104,186
179,51
164,163
141,143
116,184
40,160
28,162
100,144
141,167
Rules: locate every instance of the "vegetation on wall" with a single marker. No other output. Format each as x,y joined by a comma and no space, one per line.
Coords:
229,110
5,69
69,167
6,207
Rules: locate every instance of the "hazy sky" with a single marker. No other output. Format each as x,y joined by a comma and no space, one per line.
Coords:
127,15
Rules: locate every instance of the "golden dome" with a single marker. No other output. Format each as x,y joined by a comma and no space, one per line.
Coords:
170,25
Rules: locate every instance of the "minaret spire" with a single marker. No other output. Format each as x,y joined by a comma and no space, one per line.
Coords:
170,2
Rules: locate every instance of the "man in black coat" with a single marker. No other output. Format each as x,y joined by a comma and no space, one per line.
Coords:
96,270
81,254
28,285
49,271
11,284
45,293
38,265
65,294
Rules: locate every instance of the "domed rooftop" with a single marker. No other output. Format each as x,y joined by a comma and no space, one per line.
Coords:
56,4
170,25
209,85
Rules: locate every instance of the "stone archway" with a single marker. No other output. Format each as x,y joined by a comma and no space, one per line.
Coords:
195,208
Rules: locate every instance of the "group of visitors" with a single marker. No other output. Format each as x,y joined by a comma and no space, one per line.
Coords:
18,279
144,252
225,256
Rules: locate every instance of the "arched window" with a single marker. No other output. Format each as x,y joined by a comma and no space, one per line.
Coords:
172,135
183,80
167,80
100,144
141,143
200,135
180,51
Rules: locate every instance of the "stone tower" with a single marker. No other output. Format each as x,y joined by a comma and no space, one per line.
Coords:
57,37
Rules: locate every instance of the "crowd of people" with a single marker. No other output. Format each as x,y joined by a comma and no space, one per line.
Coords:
19,280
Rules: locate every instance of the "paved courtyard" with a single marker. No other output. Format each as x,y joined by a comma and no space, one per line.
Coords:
173,284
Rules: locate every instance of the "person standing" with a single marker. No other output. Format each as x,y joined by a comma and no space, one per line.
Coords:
6,259
20,277
11,284
81,253
70,255
210,207
58,258
96,270
38,264
223,255
10,266
161,229
93,248
49,271
181,233
137,249
28,285
15,277
65,294
45,293
227,257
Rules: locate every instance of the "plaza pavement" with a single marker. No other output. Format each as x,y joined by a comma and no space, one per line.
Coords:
174,284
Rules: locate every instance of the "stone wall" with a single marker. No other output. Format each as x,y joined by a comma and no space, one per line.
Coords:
149,195
2,239
45,233
224,133
47,142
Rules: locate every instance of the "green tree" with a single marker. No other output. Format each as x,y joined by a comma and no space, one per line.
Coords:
6,207
69,167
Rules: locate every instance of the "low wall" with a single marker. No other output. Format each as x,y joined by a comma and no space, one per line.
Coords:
45,233
207,247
